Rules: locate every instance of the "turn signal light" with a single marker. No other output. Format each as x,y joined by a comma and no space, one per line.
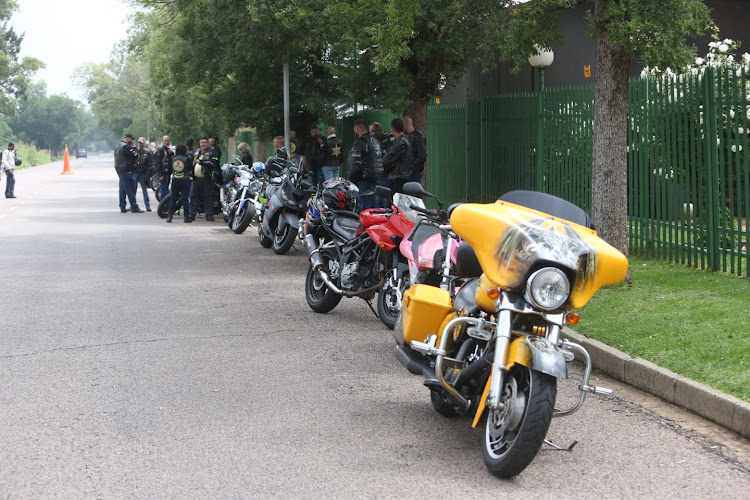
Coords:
573,318
493,293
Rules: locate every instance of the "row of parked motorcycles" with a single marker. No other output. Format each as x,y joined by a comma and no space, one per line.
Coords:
476,294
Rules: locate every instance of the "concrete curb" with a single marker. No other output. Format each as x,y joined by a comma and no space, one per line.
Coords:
723,409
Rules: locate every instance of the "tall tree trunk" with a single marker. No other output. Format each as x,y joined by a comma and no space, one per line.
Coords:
610,162
418,113
261,147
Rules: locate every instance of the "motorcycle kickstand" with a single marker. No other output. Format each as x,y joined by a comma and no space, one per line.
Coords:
369,304
560,448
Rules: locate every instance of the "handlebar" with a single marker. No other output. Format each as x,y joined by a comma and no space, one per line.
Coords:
431,214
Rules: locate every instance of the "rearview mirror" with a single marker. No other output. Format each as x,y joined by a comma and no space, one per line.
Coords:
416,189
383,192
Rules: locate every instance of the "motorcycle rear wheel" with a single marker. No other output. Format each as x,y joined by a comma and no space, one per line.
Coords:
163,209
241,218
513,435
319,297
283,239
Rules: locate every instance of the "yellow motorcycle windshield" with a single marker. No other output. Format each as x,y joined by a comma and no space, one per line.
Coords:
511,240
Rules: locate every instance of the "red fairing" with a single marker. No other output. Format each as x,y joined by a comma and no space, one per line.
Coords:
381,227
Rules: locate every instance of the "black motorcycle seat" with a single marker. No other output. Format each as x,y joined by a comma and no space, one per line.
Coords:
419,236
345,213
345,227
465,298
467,264
549,204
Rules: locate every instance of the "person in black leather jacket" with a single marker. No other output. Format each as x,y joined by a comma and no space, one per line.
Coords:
162,157
418,144
398,161
365,165
125,162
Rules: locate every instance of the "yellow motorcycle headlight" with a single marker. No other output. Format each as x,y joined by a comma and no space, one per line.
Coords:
548,288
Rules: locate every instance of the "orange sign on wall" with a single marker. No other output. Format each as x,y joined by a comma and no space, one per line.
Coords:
587,71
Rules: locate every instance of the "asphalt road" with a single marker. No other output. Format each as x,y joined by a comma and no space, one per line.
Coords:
140,359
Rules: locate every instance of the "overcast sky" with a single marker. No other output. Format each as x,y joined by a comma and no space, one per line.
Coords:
65,34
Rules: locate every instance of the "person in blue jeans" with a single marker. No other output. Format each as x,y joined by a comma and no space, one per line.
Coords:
125,162
142,169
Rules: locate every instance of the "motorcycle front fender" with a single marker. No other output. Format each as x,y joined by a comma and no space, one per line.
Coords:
288,218
535,353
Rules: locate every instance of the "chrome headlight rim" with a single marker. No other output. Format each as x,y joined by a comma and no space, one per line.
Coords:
535,280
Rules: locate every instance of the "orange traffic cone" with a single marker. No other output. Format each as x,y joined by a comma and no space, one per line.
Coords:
66,163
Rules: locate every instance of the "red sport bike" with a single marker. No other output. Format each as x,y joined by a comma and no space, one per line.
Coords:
351,254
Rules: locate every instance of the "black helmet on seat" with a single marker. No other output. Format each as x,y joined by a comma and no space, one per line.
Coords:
340,194
275,166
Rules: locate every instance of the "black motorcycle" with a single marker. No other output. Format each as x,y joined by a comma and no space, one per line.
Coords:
287,194
163,209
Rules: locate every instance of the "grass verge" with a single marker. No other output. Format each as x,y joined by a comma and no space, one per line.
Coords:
32,156
689,321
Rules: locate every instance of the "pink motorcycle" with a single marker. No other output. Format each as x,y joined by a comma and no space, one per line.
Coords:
427,254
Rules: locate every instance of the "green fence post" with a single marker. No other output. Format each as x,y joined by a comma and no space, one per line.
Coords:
712,168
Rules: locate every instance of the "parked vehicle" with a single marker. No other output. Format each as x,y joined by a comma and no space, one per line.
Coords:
287,194
82,153
240,194
493,350
427,254
163,208
351,254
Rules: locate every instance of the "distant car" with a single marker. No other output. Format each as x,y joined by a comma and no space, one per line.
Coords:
81,153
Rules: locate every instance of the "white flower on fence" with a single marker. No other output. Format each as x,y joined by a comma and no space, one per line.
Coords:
723,47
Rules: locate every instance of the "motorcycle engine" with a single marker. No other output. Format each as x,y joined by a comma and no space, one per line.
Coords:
349,277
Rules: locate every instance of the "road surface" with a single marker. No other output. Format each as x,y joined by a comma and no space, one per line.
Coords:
140,359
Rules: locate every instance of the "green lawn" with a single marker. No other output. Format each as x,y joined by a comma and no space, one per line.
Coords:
695,323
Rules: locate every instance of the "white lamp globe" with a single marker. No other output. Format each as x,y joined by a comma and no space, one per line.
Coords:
543,57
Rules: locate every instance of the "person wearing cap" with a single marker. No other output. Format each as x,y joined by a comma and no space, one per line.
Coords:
125,164
142,169
8,166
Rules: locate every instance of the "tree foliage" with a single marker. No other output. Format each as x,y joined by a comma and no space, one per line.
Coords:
15,73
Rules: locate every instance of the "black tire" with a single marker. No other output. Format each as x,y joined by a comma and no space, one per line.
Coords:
319,297
241,218
513,435
283,239
265,241
163,209
387,305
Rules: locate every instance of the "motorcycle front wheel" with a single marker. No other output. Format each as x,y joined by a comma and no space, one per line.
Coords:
513,435
388,304
319,297
242,217
283,239
264,240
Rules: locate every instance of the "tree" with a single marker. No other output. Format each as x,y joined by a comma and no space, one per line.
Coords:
50,122
657,32
15,74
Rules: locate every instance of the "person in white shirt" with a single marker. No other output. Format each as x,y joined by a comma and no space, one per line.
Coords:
9,166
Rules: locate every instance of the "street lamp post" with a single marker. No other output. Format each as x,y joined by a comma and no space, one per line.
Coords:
542,59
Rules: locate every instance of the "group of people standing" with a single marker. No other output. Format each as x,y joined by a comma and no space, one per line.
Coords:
375,158
391,160
186,171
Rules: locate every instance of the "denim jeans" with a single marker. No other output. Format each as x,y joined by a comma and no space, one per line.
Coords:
365,201
143,181
127,189
416,177
330,171
202,192
164,186
10,182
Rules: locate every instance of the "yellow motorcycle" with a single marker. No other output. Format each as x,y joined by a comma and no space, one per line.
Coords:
492,349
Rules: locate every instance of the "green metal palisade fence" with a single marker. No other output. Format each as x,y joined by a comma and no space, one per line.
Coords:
688,164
